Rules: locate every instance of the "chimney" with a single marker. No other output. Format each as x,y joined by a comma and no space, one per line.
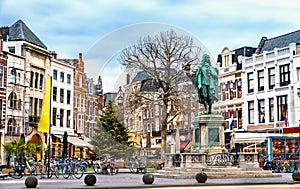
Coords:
127,79
54,54
5,32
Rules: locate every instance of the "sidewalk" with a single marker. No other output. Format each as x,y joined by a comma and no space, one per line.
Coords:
127,180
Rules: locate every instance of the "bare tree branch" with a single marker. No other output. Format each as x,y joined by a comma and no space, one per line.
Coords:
164,59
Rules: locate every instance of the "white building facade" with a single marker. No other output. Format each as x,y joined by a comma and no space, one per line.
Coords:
62,97
271,80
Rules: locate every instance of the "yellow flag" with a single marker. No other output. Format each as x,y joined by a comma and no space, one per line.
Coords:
44,123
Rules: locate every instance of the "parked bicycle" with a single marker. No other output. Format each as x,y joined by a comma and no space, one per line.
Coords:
137,165
105,165
49,171
69,168
20,169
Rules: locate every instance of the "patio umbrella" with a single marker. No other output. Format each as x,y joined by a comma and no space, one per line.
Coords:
65,145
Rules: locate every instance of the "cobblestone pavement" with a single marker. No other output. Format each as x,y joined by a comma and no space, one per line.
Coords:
128,180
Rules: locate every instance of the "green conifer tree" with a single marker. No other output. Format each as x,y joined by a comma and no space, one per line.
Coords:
111,137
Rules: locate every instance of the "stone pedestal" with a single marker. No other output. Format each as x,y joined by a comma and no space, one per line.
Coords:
209,134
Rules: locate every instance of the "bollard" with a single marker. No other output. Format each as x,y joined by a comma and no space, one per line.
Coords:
31,182
201,177
296,176
90,180
148,178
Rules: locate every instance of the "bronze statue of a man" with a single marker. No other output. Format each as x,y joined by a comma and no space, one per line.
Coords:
206,83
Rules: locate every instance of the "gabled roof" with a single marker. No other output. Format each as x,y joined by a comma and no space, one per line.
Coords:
278,42
20,32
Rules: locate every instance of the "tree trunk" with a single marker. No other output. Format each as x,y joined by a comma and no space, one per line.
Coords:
163,138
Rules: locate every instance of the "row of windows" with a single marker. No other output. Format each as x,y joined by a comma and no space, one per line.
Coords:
36,80
62,77
61,95
282,108
230,90
284,78
61,117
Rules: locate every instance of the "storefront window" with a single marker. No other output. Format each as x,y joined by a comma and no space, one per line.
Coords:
285,149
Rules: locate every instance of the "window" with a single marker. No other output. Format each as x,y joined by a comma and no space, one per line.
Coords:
19,78
232,88
31,78
54,113
36,80
251,112
80,80
68,97
61,96
35,107
30,105
68,118
261,111
224,91
271,109
281,107
40,107
19,104
12,49
62,76
260,75
250,82
239,88
61,117
13,76
12,127
284,75
12,100
55,74
41,81
68,78
1,76
271,78
88,107
54,94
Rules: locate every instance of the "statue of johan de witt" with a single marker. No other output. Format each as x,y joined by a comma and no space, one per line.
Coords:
206,83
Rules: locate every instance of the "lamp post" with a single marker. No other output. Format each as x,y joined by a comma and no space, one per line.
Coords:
148,144
179,122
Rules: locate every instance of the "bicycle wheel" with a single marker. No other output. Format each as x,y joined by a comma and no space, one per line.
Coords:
134,167
64,171
78,171
97,168
54,169
45,173
15,174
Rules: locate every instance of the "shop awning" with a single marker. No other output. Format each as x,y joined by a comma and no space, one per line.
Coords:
249,140
291,131
78,142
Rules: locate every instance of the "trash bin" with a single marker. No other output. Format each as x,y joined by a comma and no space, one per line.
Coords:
176,160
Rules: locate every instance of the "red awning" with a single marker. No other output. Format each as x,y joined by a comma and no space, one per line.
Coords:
291,130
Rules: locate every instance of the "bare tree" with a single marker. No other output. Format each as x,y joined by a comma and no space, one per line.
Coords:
163,57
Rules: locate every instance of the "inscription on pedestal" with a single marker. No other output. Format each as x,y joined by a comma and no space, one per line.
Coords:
213,137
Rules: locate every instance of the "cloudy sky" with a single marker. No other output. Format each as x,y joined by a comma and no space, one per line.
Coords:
104,27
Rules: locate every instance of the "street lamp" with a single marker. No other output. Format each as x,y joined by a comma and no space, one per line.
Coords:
179,121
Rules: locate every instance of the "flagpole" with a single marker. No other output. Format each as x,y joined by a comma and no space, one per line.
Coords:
48,173
45,118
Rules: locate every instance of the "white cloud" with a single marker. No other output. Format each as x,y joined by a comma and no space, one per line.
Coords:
70,27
